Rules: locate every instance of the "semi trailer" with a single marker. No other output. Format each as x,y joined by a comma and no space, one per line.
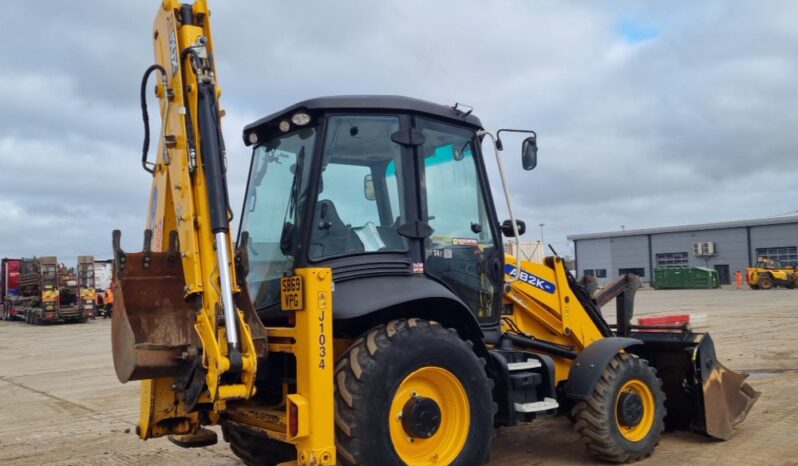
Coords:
49,292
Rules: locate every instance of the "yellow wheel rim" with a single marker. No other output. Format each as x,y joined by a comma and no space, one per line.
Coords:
447,442
639,431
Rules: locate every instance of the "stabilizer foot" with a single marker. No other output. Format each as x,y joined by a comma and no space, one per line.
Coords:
203,438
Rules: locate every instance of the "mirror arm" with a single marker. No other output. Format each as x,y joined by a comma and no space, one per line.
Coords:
499,144
509,203
525,131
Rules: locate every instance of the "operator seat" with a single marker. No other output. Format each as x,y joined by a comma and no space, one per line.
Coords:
330,236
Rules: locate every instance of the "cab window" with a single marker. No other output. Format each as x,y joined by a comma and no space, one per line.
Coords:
358,209
462,251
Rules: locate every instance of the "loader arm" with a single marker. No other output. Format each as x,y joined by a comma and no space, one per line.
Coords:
178,325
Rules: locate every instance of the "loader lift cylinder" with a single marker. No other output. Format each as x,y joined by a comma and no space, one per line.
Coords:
213,163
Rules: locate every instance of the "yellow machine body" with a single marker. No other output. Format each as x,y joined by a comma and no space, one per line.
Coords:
556,317
767,273
168,327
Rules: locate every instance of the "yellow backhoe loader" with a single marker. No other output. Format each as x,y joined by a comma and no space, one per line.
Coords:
367,313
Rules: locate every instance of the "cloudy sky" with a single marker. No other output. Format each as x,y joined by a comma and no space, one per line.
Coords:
648,115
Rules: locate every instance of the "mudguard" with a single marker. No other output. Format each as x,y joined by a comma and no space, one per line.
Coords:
590,364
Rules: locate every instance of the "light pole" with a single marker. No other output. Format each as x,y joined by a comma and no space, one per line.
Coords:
541,225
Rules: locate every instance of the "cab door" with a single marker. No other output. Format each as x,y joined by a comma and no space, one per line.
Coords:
462,251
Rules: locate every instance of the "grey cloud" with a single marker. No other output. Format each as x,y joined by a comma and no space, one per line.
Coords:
672,130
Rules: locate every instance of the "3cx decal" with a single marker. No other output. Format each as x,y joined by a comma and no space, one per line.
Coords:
533,280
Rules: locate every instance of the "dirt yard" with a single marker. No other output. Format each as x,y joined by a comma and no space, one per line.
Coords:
60,402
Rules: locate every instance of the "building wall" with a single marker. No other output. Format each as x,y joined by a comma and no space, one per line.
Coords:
630,252
592,254
773,236
731,245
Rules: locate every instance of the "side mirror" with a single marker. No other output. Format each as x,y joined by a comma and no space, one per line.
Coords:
529,153
368,188
507,228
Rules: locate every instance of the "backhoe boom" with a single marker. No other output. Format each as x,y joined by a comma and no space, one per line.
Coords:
178,326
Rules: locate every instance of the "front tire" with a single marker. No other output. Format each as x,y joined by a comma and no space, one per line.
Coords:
412,392
624,417
765,282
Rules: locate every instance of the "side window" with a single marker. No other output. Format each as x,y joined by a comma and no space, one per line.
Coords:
359,206
451,176
455,204
462,251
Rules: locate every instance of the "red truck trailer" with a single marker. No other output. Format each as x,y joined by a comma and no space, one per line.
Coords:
9,288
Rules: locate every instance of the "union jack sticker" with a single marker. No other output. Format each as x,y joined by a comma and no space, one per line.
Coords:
418,267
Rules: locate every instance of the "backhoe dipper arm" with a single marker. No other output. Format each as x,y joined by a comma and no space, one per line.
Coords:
179,326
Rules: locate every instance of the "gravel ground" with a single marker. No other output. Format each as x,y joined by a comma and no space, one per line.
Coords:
61,403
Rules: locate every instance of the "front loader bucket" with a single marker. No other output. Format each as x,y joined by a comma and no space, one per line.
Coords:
702,394
727,398
152,326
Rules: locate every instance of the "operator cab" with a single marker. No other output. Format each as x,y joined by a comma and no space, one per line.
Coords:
389,192
769,264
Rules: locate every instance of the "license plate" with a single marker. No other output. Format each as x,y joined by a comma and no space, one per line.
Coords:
291,293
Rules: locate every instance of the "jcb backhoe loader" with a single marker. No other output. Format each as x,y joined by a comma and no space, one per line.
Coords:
368,314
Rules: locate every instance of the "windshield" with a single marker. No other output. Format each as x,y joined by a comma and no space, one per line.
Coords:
275,197
86,275
48,276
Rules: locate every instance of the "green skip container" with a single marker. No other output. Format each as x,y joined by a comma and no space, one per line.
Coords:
684,276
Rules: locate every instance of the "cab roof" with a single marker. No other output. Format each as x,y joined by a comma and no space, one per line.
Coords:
363,103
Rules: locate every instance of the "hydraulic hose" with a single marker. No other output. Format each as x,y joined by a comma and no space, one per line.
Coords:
145,116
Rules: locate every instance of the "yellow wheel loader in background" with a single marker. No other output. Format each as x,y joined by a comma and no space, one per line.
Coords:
368,313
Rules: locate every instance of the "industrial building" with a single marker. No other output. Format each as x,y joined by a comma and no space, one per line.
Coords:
726,247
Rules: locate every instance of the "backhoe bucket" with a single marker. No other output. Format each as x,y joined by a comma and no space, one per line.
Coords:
152,326
702,395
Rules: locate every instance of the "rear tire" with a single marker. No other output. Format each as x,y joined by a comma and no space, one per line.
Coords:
255,450
599,420
393,369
